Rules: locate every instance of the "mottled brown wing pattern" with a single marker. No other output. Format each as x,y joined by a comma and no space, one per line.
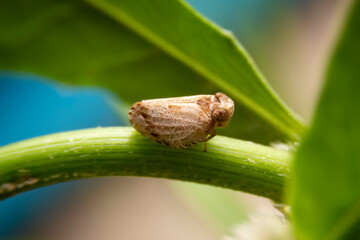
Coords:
183,121
178,124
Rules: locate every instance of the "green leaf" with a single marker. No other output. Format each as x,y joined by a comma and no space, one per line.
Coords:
326,187
142,49
122,151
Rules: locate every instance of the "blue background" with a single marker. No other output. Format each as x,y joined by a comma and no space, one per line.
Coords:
33,106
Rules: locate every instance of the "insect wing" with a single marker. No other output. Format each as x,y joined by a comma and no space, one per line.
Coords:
173,123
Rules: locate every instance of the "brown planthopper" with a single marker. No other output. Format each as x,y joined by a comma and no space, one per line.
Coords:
182,122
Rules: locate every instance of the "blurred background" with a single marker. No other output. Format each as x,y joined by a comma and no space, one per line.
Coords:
290,40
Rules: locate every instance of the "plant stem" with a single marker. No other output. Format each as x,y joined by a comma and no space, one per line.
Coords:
121,151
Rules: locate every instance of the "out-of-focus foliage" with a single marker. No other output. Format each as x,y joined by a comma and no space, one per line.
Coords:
142,49
326,194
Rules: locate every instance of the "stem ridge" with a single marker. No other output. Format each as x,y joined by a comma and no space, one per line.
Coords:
121,151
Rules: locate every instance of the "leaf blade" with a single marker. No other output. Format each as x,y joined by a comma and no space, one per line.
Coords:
220,74
325,188
92,48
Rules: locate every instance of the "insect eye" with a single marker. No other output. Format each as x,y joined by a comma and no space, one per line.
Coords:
220,115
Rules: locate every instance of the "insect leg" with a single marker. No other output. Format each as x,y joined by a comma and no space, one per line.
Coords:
212,134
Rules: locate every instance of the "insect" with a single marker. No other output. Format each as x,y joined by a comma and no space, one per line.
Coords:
182,122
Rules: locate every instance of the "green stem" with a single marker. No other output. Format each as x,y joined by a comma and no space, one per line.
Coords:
121,151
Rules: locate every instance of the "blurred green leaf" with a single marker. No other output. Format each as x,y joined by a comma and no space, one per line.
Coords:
326,188
142,49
